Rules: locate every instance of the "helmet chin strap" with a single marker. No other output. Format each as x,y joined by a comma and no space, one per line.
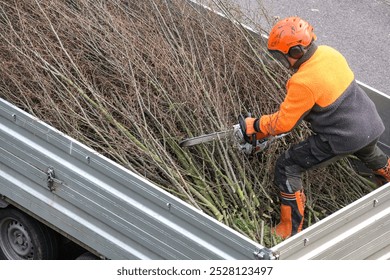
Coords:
310,51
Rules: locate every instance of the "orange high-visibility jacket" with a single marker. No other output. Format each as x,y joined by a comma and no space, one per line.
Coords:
324,92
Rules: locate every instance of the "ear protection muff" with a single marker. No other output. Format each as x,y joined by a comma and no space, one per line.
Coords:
281,57
296,51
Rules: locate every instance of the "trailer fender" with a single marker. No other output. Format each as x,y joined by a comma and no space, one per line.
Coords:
3,203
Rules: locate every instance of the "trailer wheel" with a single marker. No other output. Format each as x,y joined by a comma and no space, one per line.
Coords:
24,238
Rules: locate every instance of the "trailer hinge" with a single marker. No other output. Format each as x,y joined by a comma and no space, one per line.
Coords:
50,179
266,254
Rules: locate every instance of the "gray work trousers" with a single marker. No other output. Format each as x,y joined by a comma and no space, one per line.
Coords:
316,152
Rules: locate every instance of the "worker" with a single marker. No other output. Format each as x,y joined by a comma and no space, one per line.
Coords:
322,91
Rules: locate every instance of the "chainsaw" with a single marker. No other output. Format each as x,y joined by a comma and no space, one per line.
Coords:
245,144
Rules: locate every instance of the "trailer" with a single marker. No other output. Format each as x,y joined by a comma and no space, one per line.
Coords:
55,191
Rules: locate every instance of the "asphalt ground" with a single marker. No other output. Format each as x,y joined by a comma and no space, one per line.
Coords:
359,29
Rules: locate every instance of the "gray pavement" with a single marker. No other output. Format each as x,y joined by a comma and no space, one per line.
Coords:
359,29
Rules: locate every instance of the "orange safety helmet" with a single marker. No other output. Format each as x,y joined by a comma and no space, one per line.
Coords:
290,32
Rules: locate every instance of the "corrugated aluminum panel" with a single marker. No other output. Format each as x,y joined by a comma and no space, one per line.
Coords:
358,231
382,103
116,213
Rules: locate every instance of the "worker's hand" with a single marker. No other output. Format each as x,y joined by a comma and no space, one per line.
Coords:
253,128
250,126
250,129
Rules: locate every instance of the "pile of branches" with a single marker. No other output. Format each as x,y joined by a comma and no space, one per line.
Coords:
131,79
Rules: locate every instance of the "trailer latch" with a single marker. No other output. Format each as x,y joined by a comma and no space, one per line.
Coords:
266,254
50,178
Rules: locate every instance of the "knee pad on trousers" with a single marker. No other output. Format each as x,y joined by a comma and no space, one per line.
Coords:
287,174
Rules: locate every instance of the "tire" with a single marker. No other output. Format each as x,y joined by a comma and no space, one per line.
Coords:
24,238
87,256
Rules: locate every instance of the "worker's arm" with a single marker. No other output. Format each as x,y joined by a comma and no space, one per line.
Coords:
298,102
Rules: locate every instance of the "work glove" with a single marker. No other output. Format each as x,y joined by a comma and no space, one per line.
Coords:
251,129
252,126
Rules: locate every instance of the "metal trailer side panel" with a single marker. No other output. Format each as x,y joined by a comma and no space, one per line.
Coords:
382,103
103,205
